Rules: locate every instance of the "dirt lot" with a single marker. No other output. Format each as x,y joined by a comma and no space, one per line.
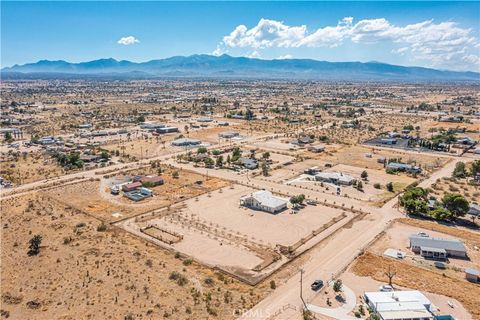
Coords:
449,185
144,148
93,197
29,168
82,273
357,156
240,240
413,277
396,237
283,228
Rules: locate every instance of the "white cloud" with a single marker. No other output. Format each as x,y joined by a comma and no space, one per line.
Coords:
287,56
254,54
219,51
436,44
400,51
267,33
126,41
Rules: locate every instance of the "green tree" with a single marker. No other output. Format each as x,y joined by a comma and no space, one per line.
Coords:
389,187
8,137
440,214
219,162
475,168
415,206
266,155
460,171
337,285
265,169
34,245
236,154
141,118
360,186
105,155
202,150
456,204
364,175
175,174
297,199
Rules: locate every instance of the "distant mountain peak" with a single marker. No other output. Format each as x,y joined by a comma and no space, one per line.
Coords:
226,66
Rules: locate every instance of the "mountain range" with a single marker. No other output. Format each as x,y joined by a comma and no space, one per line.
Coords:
228,67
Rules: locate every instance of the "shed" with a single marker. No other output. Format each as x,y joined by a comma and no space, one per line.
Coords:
472,275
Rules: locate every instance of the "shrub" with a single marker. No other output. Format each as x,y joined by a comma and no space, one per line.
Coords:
273,285
377,185
187,262
209,281
102,227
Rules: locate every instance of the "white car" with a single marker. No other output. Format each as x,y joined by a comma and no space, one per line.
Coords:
386,288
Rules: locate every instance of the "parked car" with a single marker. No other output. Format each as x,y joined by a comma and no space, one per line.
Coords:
440,265
317,285
423,234
386,288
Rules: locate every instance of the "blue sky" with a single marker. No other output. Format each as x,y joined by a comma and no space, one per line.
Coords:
443,35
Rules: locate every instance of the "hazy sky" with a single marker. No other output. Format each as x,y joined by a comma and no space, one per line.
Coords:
443,35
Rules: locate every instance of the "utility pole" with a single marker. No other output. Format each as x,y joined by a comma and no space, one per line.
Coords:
301,288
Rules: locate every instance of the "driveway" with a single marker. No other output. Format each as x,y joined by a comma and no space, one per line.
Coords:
340,312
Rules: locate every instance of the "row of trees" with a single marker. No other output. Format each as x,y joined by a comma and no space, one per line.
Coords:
415,201
461,170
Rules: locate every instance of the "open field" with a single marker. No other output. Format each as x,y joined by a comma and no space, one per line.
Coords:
29,168
449,185
89,274
356,156
144,148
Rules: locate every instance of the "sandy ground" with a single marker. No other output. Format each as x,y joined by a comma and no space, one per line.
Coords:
282,228
447,185
356,156
82,273
93,197
32,167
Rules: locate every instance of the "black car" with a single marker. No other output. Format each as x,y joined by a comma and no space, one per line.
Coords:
317,285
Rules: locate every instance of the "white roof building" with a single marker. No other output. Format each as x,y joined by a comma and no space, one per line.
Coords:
399,305
334,177
265,201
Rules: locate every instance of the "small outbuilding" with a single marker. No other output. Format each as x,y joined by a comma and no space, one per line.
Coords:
472,275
